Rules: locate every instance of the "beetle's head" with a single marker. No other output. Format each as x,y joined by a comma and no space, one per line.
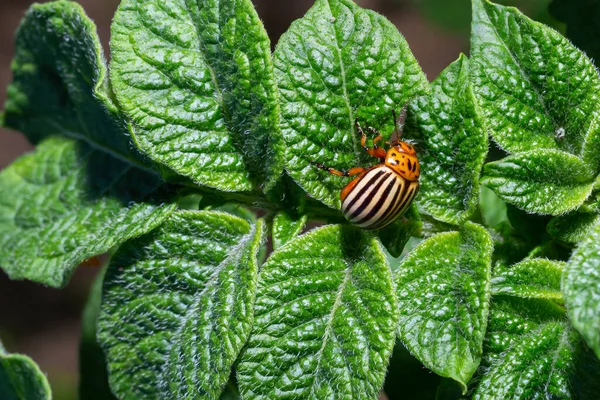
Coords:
402,158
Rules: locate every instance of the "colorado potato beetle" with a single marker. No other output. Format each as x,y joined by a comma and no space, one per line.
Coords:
378,195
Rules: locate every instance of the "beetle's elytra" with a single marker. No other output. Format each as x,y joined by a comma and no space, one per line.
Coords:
378,195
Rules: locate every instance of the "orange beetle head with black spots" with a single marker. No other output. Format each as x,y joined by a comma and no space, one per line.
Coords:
402,158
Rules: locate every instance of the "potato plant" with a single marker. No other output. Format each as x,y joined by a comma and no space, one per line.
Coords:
190,161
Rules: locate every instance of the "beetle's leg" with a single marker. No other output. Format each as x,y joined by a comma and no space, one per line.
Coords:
363,137
375,151
378,136
354,171
333,171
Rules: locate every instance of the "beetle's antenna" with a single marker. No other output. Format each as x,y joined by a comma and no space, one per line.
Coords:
401,120
398,123
395,134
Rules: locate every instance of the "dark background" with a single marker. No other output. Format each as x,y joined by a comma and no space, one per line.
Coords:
44,323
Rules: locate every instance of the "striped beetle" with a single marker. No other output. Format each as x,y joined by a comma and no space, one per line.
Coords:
380,194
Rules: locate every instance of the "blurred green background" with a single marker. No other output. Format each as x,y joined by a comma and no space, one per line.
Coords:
45,323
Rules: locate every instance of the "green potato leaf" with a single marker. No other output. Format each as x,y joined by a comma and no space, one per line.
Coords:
338,63
540,181
581,287
531,352
59,82
196,79
532,278
286,227
82,194
68,202
325,319
443,288
177,306
537,90
451,144
21,378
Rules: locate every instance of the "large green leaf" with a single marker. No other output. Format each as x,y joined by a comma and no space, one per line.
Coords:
583,23
67,202
325,319
581,287
21,378
532,278
533,353
338,63
537,90
452,145
196,79
177,306
541,181
76,197
59,84
443,289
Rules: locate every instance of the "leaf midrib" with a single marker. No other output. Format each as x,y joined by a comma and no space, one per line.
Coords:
343,76
329,327
209,284
564,337
217,88
464,345
211,70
